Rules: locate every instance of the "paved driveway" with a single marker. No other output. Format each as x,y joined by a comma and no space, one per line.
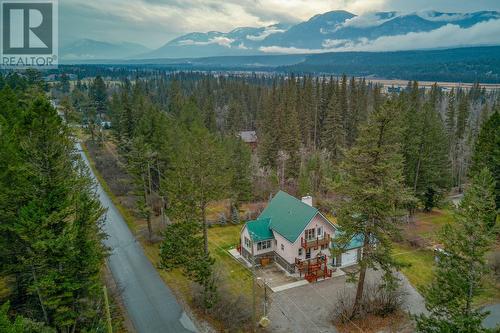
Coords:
150,303
309,308
493,318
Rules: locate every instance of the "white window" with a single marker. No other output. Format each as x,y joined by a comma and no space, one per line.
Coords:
282,247
247,242
264,245
300,252
310,233
320,231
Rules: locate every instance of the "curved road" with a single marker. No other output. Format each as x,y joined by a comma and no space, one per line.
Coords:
150,303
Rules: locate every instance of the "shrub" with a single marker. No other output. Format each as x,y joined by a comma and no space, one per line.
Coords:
495,264
343,308
381,300
378,299
418,242
235,312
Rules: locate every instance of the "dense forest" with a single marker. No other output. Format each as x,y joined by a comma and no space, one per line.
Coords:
51,251
304,125
382,155
467,64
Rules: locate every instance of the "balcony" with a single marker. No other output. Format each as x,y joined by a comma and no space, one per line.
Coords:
315,243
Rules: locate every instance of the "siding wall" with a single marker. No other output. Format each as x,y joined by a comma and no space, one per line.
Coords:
291,250
256,252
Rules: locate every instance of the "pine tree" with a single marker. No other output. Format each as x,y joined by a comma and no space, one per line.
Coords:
99,96
374,193
487,151
198,175
20,324
51,207
333,133
450,114
462,266
241,172
431,176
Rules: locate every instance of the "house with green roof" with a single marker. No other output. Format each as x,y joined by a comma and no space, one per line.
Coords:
290,231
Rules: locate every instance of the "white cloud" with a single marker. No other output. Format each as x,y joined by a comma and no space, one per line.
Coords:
450,35
290,50
219,40
430,15
333,43
267,32
366,20
154,22
242,46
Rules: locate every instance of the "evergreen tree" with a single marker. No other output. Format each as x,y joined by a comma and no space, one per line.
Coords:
198,175
374,193
462,266
99,96
50,207
65,86
487,151
241,173
20,324
333,133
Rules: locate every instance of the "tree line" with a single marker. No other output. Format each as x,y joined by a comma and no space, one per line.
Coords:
51,219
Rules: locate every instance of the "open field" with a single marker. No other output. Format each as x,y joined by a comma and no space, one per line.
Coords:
423,234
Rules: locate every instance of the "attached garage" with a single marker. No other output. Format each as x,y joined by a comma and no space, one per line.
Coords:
350,257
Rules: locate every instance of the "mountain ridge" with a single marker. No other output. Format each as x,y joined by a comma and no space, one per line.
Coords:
333,31
321,33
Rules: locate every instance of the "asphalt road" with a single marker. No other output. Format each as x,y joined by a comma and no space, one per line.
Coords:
150,303
493,318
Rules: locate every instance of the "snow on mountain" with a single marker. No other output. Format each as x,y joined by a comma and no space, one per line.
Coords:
338,30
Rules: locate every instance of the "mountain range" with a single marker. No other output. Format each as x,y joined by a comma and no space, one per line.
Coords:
88,49
329,32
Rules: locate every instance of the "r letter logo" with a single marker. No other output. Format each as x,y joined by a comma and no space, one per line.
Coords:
29,33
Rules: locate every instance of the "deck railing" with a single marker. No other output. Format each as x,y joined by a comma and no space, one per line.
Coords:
315,242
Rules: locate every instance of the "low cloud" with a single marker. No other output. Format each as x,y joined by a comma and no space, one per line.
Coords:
367,20
154,22
267,32
219,40
450,35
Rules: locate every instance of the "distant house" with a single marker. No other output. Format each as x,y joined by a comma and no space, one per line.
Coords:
249,137
295,235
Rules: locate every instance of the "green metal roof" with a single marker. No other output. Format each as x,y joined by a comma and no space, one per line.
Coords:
355,242
259,229
288,215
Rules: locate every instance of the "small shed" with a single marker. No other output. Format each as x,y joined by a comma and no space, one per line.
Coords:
250,138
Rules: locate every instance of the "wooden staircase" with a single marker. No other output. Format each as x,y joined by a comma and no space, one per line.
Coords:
314,269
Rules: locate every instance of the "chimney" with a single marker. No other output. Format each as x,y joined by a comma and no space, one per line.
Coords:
308,200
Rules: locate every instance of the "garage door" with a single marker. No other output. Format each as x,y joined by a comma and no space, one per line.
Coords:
350,257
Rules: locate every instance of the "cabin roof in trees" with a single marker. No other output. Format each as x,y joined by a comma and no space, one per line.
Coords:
288,215
248,136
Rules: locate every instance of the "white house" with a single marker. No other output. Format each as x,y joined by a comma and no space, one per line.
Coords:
297,236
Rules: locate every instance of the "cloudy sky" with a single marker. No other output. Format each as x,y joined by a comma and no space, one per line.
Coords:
154,22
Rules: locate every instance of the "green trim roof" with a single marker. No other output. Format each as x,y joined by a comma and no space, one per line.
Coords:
355,242
259,229
288,215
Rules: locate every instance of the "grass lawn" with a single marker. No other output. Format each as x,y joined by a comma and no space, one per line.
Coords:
428,225
421,262
236,277
5,287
